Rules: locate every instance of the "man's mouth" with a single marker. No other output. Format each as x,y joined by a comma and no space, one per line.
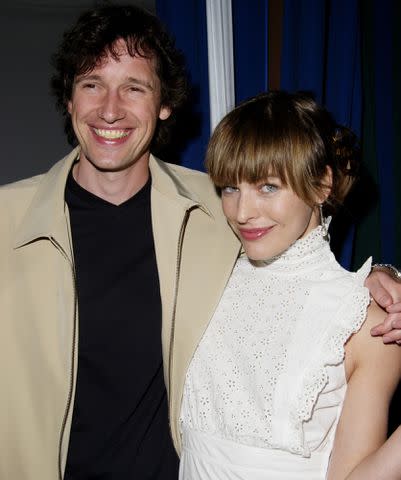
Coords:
111,134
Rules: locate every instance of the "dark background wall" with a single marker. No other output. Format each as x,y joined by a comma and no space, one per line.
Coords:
31,131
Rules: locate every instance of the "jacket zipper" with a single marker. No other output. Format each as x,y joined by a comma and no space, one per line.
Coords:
71,382
172,331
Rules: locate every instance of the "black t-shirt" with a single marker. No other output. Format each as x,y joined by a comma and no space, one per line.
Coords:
120,421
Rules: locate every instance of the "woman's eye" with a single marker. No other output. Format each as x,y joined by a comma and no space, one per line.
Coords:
269,188
229,189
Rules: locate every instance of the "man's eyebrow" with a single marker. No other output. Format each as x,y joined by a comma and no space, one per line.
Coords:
134,80
139,81
85,78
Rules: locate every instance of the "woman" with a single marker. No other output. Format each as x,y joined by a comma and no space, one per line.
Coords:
287,382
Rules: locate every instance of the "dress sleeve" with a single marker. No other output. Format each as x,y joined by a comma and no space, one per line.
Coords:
336,309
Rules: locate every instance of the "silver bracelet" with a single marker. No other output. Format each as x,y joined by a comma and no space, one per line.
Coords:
390,269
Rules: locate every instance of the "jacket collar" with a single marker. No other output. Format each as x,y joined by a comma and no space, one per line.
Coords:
46,215
170,184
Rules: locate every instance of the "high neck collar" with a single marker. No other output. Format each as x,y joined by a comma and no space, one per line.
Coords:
305,252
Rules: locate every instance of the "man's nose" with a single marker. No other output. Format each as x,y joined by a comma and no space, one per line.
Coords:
111,109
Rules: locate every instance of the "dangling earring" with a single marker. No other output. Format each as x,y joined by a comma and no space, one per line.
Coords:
323,224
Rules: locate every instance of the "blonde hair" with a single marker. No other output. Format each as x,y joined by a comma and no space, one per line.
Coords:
288,136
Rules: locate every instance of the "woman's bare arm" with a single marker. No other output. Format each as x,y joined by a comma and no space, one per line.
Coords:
373,371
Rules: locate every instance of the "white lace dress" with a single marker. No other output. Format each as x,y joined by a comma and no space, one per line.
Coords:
265,387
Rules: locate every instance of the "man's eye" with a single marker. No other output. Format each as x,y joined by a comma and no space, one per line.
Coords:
89,86
269,188
135,89
229,189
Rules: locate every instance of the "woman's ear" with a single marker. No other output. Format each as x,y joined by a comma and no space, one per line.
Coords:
326,185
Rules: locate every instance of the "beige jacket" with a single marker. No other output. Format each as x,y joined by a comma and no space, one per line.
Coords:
195,252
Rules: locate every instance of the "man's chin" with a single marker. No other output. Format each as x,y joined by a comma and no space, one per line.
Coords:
107,164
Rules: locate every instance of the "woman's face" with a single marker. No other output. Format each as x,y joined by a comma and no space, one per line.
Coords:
267,217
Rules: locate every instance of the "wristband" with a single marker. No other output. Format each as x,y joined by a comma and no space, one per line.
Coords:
390,269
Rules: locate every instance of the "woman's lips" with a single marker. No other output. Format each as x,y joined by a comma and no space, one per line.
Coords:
254,233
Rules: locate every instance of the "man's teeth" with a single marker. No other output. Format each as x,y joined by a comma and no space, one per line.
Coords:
110,134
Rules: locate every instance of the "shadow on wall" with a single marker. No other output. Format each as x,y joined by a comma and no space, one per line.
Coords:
32,134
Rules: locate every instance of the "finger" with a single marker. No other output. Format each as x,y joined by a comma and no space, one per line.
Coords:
378,331
396,293
396,323
381,329
382,297
394,308
395,319
393,336
387,324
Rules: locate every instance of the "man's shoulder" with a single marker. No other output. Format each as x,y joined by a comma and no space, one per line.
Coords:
17,198
199,187
195,181
20,186
27,187
18,194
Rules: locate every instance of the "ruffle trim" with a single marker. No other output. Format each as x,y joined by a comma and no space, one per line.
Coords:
345,322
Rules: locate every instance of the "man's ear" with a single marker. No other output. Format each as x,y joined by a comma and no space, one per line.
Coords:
326,185
164,113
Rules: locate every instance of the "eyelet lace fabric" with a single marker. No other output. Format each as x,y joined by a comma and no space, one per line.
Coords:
269,371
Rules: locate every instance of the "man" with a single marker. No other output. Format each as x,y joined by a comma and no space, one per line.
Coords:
112,265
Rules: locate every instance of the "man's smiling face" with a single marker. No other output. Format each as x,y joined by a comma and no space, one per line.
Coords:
114,111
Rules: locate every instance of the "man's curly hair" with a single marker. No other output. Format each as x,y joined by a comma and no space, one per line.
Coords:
94,37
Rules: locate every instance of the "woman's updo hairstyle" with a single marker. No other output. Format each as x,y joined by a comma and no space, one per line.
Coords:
288,136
